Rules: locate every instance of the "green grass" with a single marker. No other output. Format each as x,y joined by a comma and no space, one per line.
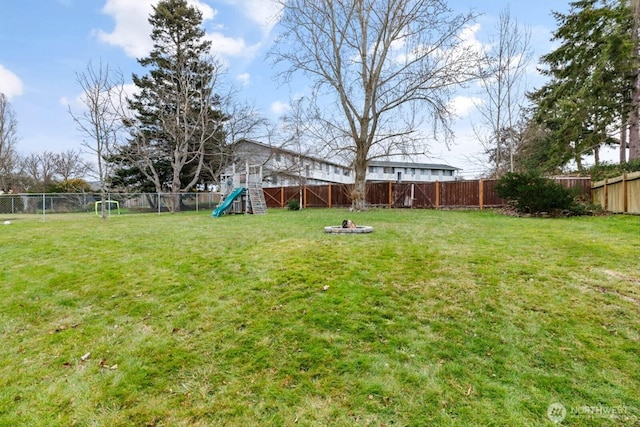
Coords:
435,319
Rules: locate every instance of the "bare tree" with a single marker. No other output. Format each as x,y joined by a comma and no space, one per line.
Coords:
503,85
242,121
292,133
8,141
102,96
70,164
387,65
40,170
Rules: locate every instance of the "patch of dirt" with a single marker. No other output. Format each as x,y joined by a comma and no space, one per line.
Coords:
622,277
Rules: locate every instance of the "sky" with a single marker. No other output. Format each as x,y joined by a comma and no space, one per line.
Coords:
44,43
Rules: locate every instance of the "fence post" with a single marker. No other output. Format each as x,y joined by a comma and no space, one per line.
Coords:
606,195
413,193
437,194
390,194
282,197
329,196
625,203
304,196
44,207
481,193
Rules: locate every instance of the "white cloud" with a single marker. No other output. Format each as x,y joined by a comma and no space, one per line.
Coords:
469,36
279,108
222,45
132,29
262,12
10,84
463,105
244,79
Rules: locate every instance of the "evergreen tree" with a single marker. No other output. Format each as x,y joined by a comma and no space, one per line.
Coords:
177,124
588,95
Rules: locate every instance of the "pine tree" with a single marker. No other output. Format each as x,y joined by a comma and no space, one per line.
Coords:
177,122
588,95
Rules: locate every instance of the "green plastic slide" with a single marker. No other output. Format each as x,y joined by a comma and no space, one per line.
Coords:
222,207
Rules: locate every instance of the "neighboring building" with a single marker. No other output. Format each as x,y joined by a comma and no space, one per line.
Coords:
284,167
412,172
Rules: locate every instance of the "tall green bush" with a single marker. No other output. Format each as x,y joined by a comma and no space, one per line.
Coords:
530,192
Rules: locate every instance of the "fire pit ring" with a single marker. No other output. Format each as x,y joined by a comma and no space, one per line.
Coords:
337,229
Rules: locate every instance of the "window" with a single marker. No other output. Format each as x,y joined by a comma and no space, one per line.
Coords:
387,169
336,169
327,168
278,157
425,172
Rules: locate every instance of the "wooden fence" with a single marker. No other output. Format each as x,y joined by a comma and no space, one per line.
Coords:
619,195
475,194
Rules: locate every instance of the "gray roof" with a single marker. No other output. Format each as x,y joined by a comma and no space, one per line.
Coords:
411,165
371,162
277,149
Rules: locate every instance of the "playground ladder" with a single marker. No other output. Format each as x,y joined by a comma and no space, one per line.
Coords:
256,197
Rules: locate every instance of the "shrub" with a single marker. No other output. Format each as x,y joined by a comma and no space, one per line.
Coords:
293,205
610,170
530,192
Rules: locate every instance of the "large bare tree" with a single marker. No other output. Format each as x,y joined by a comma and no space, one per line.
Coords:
503,86
100,121
8,141
384,65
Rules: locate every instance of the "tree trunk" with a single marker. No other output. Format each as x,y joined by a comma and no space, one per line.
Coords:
634,115
174,204
359,192
634,127
623,141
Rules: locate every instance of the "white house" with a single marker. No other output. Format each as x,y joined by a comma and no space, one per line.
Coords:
282,167
407,171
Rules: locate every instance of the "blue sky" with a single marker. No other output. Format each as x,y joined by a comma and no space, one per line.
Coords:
43,43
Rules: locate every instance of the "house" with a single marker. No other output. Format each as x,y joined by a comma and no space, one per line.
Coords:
408,171
283,167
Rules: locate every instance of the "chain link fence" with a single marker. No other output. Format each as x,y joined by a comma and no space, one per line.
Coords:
116,203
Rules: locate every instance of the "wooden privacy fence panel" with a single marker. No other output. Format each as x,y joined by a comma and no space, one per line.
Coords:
378,194
583,184
316,196
447,194
489,196
425,195
460,194
619,195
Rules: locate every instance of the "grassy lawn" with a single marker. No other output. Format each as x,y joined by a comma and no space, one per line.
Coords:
435,319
